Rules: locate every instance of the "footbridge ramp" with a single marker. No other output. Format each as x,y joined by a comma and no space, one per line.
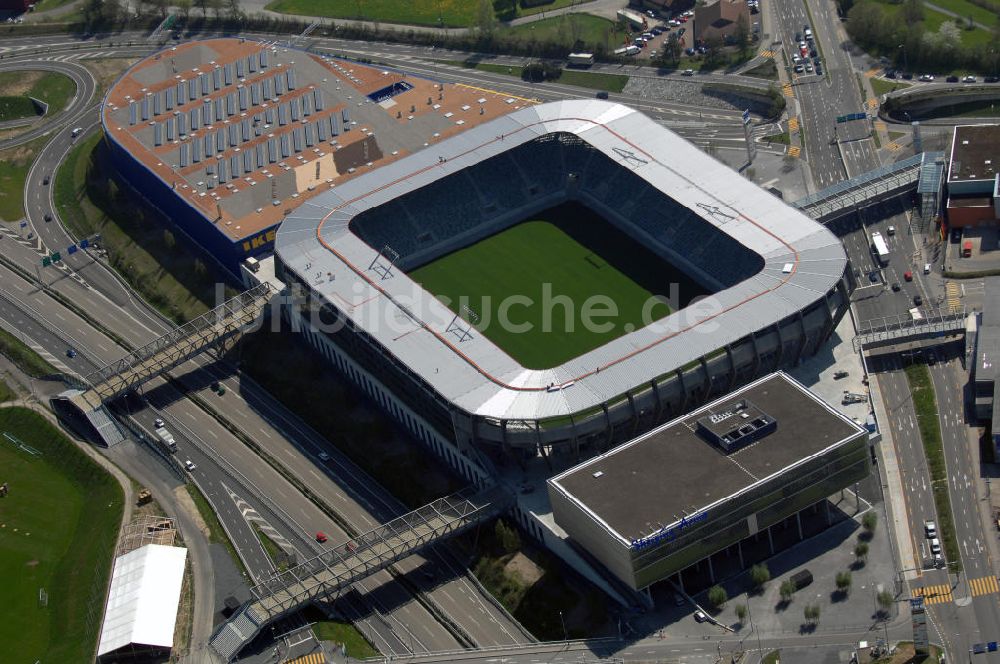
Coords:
341,566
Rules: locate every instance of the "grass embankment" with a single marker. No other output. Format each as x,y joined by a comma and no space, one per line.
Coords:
18,87
23,357
282,363
91,199
767,70
14,165
60,524
216,533
570,31
6,393
340,632
555,278
925,405
271,548
581,79
934,19
782,138
881,87
446,13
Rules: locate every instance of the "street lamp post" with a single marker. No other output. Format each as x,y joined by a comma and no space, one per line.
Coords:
906,66
563,623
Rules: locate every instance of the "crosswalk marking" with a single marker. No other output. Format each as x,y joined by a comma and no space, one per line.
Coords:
872,103
311,658
938,594
766,54
794,151
793,125
986,585
953,295
786,89
872,73
893,147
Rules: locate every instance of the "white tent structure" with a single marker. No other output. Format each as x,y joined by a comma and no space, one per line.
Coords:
142,604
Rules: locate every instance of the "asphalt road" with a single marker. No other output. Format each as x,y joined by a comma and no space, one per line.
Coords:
75,108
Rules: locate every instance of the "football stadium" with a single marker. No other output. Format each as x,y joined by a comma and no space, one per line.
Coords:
556,281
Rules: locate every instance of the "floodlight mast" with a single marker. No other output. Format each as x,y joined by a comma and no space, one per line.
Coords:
456,327
384,259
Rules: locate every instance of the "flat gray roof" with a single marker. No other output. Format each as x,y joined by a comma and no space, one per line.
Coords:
802,262
671,472
975,153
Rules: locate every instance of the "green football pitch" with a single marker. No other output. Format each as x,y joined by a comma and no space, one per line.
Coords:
58,528
550,290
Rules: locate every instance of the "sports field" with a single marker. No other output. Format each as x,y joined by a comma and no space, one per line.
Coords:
58,527
536,285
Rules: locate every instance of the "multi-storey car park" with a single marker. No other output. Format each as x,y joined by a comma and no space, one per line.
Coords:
719,477
227,136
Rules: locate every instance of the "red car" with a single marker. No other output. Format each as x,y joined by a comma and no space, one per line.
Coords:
908,276
321,537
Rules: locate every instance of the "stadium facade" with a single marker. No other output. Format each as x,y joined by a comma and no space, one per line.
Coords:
721,476
779,282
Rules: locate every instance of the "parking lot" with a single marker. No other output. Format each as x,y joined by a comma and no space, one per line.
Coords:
679,26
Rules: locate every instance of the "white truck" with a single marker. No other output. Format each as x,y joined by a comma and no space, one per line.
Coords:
166,439
631,49
880,248
581,59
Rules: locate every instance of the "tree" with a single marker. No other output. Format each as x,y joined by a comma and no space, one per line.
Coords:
509,540
202,6
811,613
885,600
486,19
786,590
742,35
861,551
168,239
759,575
184,6
912,11
741,612
717,596
869,521
843,581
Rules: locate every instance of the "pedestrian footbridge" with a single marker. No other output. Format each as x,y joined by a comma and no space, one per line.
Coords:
897,329
341,566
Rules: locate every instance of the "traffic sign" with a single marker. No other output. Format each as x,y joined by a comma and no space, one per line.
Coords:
746,116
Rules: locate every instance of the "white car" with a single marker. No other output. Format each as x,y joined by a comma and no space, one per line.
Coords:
969,79
892,230
189,465
158,423
926,78
935,546
930,530
323,456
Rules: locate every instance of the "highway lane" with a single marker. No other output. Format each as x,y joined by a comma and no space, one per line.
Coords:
978,578
458,595
85,83
47,323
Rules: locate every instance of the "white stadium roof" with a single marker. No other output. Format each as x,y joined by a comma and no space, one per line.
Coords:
802,262
142,603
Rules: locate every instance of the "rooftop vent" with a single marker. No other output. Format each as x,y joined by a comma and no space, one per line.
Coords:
736,425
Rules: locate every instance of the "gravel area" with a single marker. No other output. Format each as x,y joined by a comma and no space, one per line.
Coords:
686,92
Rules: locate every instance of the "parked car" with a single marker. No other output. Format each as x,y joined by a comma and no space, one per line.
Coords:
798,36
321,537
969,79
935,546
926,78
891,230
895,287
819,68
917,300
952,79
990,79
931,358
837,375
873,276
700,616
799,69
602,95
908,275
927,268
809,67
688,72
890,73
907,76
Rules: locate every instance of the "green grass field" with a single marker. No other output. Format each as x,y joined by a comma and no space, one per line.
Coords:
881,87
581,79
546,268
14,165
453,13
566,29
52,88
59,527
